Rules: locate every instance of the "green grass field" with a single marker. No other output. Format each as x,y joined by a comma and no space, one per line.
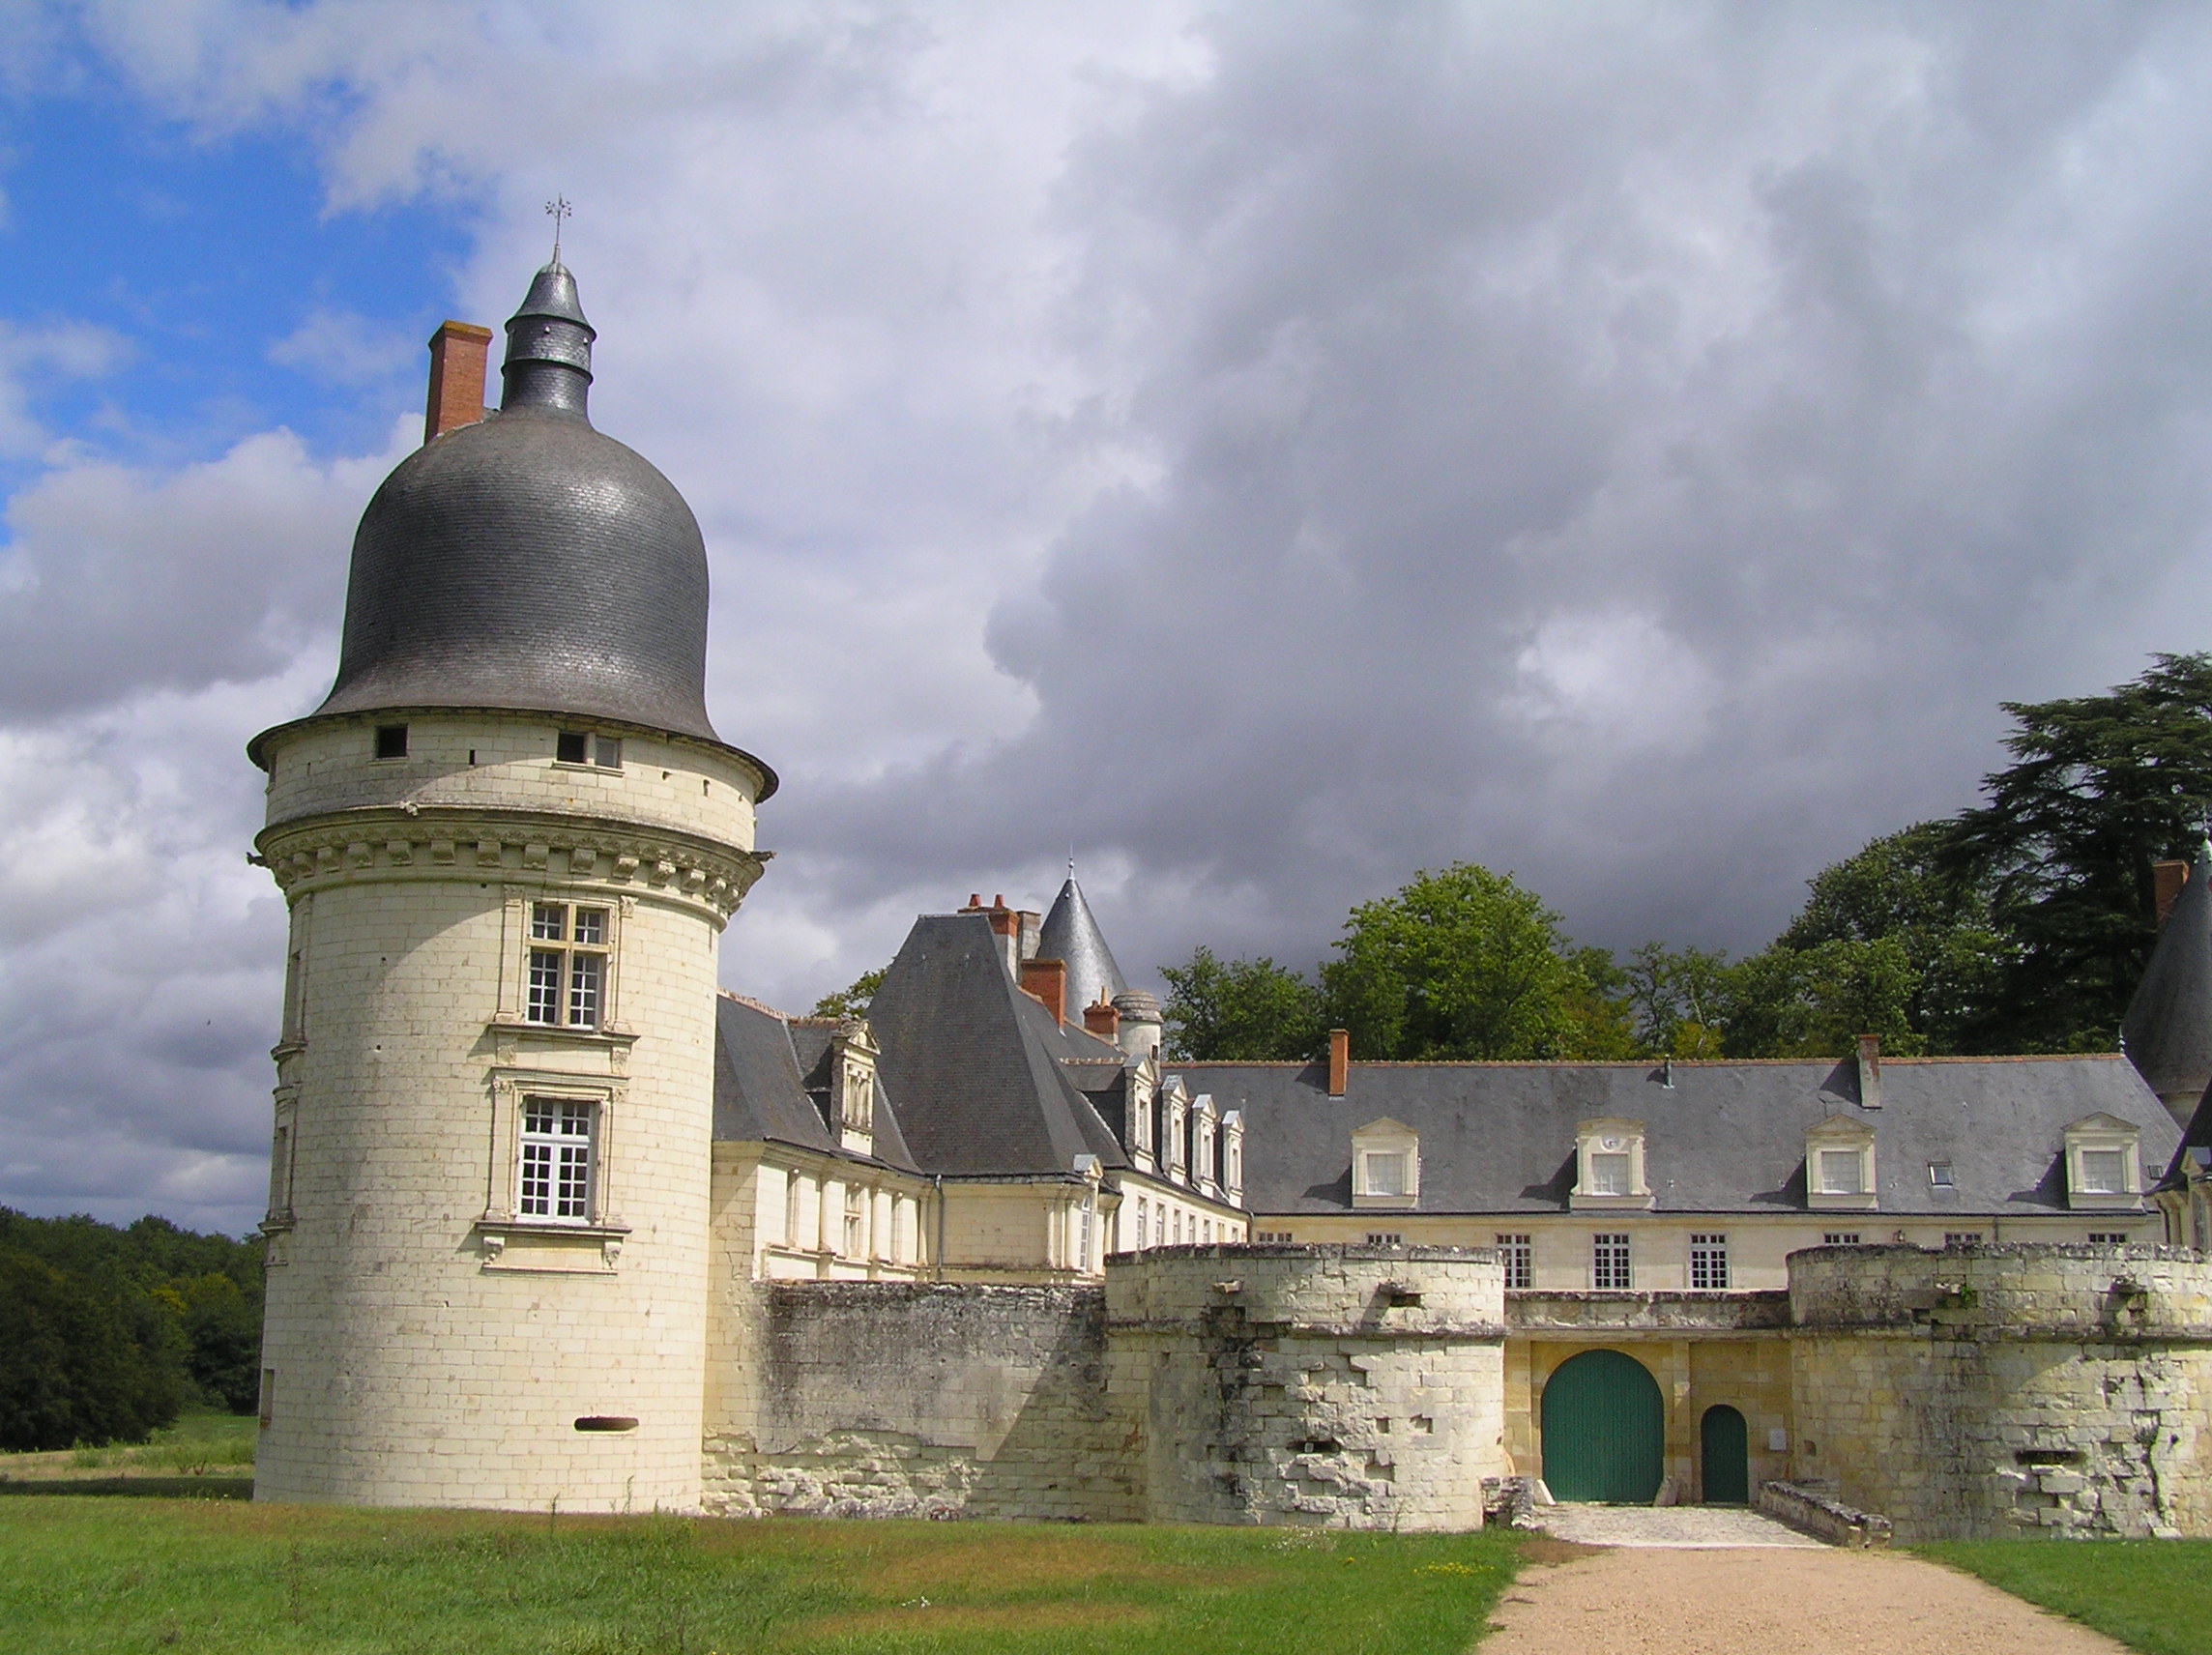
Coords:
80,1573
2153,1595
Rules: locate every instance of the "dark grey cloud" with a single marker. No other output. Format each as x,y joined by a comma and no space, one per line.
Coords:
1269,449
1639,453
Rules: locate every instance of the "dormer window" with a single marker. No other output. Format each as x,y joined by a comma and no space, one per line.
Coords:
852,1055
1233,1156
1839,1165
2103,1164
1203,1155
1385,1165
1609,1166
1175,1107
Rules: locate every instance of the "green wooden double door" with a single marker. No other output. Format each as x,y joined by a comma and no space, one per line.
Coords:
1605,1436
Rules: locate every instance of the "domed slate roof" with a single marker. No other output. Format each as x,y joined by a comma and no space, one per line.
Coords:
529,561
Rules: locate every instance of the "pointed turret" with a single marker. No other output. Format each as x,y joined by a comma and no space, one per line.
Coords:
2168,1030
1071,935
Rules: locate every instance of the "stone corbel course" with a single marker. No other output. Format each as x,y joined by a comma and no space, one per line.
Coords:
309,854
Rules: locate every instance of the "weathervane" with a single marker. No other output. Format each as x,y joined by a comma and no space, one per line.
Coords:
558,209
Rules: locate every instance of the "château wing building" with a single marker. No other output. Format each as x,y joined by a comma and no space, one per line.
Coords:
554,1220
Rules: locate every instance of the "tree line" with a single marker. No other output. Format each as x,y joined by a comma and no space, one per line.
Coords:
2021,924
108,1333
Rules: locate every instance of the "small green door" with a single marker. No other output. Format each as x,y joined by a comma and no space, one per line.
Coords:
1727,1457
1604,1430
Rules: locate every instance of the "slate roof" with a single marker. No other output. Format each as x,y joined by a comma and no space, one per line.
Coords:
529,563
1070,934
768,1084
975,1063
2167,1029
1727,1137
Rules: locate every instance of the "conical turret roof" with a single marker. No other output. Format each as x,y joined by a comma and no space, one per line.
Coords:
2168,1030
1071,935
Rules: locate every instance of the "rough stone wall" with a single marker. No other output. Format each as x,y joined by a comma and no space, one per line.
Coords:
890,1399
2006,1389
1345,1386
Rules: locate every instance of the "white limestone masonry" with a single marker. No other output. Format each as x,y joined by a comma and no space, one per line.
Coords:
427,1344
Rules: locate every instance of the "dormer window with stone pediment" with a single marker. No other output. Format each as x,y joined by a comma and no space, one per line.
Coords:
1840,1166
1205,1130
1385,1165
2104,1166
1175,1114
1233,1156
1609,1166
1143,1089
852,1055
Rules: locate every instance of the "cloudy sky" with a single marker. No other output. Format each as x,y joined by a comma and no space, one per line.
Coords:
1265,448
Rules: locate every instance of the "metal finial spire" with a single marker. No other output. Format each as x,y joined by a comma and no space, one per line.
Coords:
558,209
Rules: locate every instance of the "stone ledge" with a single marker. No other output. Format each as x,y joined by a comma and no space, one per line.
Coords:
1812,1512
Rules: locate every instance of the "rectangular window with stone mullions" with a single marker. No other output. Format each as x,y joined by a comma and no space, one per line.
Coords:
1608,1261
557,1138
568,965
1708,1262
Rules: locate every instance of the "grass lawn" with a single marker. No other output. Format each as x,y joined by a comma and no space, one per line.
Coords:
2153,1595
80,1574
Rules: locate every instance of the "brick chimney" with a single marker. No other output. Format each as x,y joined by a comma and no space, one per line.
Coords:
1870,1071
458,355
2166,881
1101,1018
1045,981
1339,1061
1007,926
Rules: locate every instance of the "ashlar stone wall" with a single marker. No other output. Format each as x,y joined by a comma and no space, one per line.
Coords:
2007,1390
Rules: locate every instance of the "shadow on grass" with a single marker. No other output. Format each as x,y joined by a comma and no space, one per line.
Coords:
141,1487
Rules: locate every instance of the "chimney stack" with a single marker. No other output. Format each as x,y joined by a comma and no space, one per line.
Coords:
1101,1018
458,355
1339,1061
1870,1071
2167,879
1045,981
1007,926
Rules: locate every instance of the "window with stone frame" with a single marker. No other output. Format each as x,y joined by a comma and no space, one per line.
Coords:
855,1223
569,944
1143,1213
2102,1154
1840,1238
1610,1165
1708,1261
1518,1251
1610,1269
560,1138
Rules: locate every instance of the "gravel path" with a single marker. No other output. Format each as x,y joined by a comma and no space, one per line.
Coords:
1774,1601
1700,1528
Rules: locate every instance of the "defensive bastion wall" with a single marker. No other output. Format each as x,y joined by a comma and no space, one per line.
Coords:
2005,1389
1334,1385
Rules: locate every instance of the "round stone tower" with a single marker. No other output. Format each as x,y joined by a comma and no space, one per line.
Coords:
510,840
